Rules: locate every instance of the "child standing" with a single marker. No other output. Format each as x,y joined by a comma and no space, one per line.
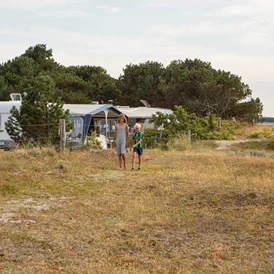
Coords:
121,138
137,137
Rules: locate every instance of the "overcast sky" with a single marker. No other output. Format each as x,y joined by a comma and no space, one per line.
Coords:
233,35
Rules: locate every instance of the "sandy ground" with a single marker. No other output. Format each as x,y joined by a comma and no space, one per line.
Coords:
225,144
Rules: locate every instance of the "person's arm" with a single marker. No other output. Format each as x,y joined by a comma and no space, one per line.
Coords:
127,134
135,145
114,137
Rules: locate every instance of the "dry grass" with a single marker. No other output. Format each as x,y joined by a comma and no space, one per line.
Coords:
193,211
246,131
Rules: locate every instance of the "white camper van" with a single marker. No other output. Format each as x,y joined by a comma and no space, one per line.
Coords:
5,108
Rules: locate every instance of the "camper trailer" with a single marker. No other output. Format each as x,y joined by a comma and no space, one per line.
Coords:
5,108
85,119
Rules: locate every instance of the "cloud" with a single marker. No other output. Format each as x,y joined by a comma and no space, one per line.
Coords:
109,9
61,14
256,32
103,7
115,10
235,35
136,48
156,5
35,5
249,7
30,4
10,51
244,65
253,38
202,28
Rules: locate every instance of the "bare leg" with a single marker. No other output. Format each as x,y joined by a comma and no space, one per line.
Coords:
120,160
140,160
133,159
124,160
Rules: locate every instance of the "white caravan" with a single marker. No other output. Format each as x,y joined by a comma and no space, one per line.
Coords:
5,108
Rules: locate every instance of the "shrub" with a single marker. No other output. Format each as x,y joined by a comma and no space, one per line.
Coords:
206,128
262,133
271,145
150,139
92,142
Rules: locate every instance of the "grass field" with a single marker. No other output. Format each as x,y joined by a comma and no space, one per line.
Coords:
199,210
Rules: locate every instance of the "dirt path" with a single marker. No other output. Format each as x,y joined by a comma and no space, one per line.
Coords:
225,144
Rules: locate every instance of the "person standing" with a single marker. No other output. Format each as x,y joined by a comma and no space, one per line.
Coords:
137,137
121,139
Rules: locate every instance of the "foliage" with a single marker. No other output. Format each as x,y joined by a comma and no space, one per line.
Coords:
101,87
200,89
271,145
214,132
15,75
193,84
264,133
149,137
142,82
42,58
37,120
249,110
179,123
4,89
92,142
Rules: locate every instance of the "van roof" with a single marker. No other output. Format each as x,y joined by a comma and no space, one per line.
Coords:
6,106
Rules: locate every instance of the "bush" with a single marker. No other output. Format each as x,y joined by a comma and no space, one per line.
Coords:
92,142
150,139
271,145
265,133
206,128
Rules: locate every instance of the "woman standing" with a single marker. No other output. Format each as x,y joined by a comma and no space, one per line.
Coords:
121,138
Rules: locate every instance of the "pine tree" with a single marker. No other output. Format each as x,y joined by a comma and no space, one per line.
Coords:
37,120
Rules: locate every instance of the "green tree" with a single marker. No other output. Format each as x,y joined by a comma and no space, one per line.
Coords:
100,85
4,89
37,119
17,72
143,82
248,110
183,80
42,58
180,122
71,88
200,89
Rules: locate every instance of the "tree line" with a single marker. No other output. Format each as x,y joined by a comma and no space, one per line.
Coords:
192,84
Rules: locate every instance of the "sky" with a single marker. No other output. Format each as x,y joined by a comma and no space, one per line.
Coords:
233,35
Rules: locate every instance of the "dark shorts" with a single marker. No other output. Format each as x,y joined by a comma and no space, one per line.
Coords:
139,151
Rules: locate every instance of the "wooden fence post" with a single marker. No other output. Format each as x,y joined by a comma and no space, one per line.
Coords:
189,136
219,122
62,134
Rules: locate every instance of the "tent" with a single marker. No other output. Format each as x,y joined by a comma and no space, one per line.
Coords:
87,118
